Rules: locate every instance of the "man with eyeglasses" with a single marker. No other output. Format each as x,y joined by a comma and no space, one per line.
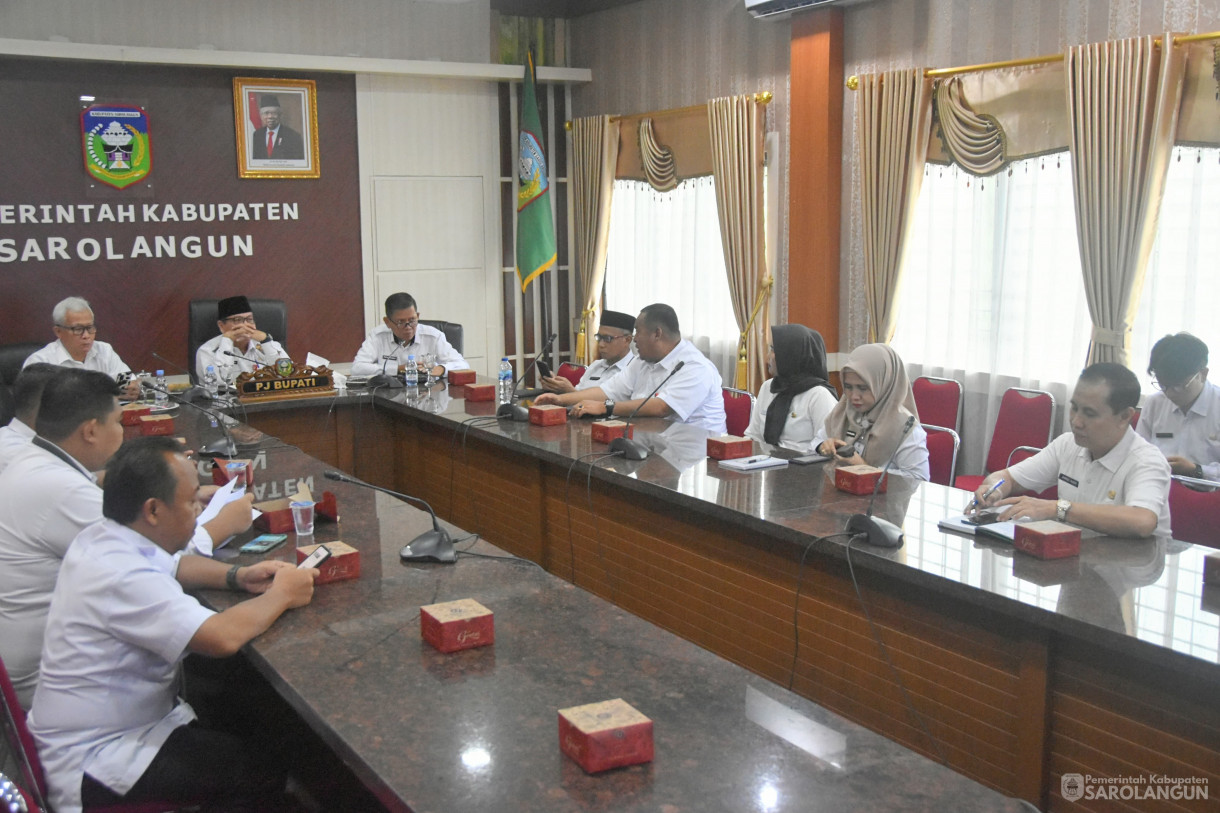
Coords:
238,335
76,345
387,346
1183,419
613,350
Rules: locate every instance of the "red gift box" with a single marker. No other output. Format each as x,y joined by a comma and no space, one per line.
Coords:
224,470
606,431
1211,568
859,479
1047,539
343,564
156,425
133,412
277,514
461,376
729,447
548,415
606,735
480,392
456,625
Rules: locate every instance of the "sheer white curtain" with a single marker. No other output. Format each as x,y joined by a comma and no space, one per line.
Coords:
993,295
665,247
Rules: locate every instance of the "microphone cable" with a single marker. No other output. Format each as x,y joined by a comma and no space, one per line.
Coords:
796,606
567,502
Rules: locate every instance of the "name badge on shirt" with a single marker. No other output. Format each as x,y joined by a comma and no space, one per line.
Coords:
1164,434
1069,481
595,378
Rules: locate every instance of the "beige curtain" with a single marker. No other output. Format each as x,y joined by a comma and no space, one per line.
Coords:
658,160
1123,99
736,128
893,123
594,155
976,142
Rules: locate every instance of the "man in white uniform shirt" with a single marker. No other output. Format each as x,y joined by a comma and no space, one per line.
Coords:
109,725
387,346
239,335
614,354
692,396
1110,479
76,344
1183,419
27,391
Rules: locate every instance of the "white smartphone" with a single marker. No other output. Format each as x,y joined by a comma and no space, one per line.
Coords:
316,558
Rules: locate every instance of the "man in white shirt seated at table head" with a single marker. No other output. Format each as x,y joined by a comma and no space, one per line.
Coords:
76,344
614,354
109,725
241,347
693,395
387,346
1183,419
1109,478
27,392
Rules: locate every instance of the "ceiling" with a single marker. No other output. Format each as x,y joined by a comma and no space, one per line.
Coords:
555,8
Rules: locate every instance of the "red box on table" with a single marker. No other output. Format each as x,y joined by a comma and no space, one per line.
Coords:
277,514
859,479
548,415
1047,539
729,447
606,735
461,376
156,425
480,392
606,431
455,625
133,412
343,564
224,470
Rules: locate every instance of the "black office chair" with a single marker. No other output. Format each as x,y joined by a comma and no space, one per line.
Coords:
271,316
12,358
452,331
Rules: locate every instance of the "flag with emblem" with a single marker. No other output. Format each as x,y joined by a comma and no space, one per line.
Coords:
535,226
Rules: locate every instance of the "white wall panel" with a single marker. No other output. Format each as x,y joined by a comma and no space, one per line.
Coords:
428,223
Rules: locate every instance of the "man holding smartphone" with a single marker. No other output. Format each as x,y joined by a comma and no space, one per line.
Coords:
108,722
614,354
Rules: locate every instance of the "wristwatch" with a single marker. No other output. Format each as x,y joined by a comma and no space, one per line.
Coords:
609,407
1061,510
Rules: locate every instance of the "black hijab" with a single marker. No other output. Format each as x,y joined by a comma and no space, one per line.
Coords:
800,364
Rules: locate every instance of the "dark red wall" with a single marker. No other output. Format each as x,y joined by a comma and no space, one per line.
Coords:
312,263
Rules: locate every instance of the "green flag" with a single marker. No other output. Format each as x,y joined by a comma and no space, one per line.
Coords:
535,228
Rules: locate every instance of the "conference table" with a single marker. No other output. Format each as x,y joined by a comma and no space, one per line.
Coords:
1013,671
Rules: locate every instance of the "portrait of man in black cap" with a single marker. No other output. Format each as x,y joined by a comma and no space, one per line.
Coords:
275,140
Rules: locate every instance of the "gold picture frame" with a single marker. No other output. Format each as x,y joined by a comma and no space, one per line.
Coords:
290,108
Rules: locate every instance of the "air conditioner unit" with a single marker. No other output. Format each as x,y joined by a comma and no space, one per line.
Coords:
781,9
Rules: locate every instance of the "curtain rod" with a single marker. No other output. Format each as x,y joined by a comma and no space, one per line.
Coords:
853,82
762,97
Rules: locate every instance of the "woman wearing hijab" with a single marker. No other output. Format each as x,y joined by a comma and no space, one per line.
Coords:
870,417
793,405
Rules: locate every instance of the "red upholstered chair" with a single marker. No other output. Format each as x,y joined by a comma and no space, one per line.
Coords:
939,401
1024,420
572,372
1194,516
1021,453
942,453
1135,418
21,745
738,406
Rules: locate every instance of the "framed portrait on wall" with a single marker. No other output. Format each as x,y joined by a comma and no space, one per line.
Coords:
276,122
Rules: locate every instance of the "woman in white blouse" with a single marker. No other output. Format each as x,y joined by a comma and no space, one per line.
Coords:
794,404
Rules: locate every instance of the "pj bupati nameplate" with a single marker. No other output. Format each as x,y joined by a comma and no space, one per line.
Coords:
284,379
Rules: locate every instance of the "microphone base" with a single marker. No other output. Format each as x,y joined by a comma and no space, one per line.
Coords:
385,382
430,546
225,447
879,532
631,449
514,412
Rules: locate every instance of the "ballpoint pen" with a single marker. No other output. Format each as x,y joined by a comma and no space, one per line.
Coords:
975,503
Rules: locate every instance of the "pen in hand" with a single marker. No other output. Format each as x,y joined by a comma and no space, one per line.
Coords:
975,504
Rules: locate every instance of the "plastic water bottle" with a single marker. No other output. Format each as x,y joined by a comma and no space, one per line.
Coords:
161,395
422,372
410,372
211,382
504,382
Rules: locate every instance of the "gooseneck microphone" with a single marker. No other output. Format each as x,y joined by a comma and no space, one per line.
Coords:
226,446
633,449
881,533
515,411
431,546
195,392
240,357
